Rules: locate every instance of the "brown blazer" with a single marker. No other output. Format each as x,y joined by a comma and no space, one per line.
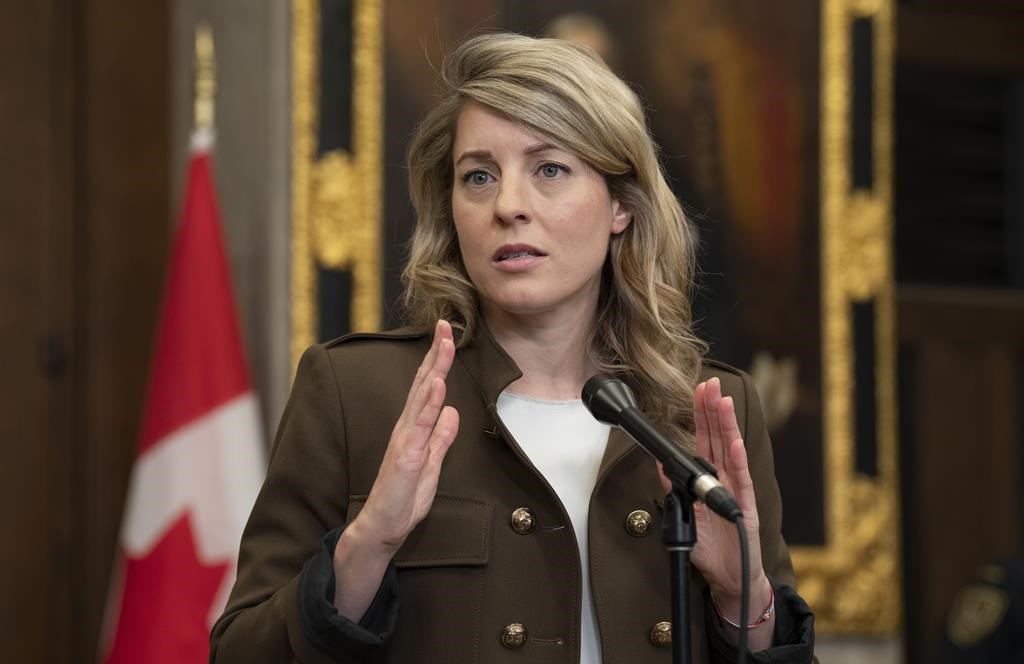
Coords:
465,573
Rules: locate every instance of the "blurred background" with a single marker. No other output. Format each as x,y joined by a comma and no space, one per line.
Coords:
855,169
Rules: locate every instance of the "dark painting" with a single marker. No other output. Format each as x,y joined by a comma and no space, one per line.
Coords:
732,93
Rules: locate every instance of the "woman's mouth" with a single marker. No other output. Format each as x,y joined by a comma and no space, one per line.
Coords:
510,252
516,257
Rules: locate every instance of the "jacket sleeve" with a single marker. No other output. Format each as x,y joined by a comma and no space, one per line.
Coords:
794,621
284,563
321,622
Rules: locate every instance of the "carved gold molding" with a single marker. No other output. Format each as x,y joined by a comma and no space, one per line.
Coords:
336,199
853,582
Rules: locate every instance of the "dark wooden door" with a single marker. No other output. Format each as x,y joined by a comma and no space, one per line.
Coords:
84,228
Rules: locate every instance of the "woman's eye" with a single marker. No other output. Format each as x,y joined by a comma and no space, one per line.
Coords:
477,178
551,170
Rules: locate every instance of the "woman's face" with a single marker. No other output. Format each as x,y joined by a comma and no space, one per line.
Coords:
533,221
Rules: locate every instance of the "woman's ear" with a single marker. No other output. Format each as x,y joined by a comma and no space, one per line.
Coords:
622,215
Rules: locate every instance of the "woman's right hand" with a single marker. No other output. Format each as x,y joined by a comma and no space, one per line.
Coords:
406,482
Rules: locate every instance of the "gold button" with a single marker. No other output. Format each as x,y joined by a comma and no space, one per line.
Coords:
514,636
523,521
638,523
661,634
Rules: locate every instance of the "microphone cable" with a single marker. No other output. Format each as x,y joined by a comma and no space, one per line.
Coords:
744,589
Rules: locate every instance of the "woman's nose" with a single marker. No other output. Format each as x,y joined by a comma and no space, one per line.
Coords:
513,201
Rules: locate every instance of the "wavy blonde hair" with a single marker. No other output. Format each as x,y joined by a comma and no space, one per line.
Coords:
566,93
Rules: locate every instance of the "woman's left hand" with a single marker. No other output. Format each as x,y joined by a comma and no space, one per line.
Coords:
717,553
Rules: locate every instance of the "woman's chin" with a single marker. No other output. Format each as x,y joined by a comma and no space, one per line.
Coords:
519,304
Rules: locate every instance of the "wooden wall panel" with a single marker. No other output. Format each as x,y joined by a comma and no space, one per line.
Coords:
35,328
961,334
962,353
84,226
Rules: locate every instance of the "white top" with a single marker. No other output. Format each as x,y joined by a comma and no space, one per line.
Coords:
566,444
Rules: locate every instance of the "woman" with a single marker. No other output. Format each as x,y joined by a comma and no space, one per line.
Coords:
450,467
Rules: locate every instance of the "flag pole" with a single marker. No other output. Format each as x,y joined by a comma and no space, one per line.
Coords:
205,80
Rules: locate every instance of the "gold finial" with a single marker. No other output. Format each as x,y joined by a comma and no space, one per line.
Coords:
206,77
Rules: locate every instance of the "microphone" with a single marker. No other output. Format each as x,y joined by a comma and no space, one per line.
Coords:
611,401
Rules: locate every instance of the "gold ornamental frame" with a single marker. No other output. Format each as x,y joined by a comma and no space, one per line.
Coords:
853,582
337,197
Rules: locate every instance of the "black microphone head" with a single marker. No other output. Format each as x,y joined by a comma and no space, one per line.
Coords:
606,397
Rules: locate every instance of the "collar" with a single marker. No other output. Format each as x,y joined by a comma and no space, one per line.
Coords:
492,370
488,365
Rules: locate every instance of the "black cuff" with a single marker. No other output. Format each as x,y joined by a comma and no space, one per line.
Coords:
793,637
321,622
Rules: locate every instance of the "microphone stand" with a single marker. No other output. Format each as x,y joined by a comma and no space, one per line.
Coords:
679,534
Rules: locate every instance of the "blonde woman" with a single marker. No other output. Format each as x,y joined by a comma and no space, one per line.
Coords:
439,493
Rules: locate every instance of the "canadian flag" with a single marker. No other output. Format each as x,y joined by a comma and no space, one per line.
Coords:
200,457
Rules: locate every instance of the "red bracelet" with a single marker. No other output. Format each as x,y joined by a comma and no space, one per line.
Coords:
761,619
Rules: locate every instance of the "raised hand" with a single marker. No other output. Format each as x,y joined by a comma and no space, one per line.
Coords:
406,482
717,552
